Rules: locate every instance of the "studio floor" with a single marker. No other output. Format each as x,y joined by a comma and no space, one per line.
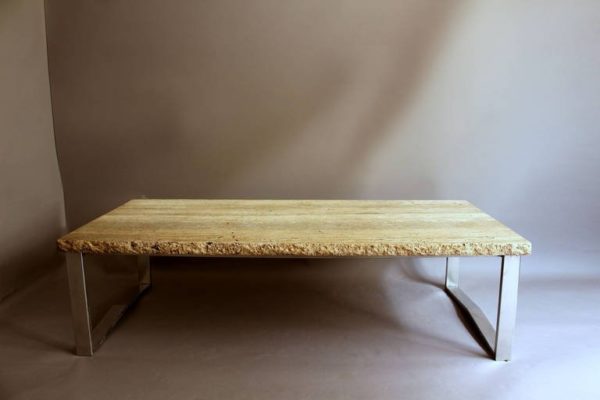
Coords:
308,329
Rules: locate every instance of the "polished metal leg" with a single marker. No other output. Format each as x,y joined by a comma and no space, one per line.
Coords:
144,279
498,340
507,306
87,338
79,305
452,269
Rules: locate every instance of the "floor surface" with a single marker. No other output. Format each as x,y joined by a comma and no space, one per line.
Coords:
308,329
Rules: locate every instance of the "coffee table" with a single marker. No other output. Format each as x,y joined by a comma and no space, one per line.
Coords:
298,228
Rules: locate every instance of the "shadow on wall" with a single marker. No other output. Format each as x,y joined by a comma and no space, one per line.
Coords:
229,98
28,257
31,199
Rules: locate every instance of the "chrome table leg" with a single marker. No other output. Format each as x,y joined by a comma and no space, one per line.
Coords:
143,264
88,338
79,305
507,306
498,339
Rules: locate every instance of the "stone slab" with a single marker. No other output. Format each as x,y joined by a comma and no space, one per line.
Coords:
297,228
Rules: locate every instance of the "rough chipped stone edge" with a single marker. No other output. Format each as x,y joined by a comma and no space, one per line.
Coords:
166,248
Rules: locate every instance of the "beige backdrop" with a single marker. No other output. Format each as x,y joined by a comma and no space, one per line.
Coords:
31,199
495,102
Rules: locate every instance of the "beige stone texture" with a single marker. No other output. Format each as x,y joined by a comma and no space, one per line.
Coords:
297,228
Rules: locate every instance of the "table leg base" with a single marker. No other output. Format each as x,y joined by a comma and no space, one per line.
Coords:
498,340
89,338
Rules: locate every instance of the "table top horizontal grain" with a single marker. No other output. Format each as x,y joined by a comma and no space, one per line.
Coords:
301,228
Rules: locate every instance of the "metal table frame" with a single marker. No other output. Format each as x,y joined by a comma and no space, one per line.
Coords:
88,338
497,340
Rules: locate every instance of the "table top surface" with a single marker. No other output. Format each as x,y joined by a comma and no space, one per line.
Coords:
299,228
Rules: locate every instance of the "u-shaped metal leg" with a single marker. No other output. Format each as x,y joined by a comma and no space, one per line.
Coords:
88,338
498,339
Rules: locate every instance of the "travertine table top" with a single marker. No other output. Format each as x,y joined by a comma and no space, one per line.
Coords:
296,228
